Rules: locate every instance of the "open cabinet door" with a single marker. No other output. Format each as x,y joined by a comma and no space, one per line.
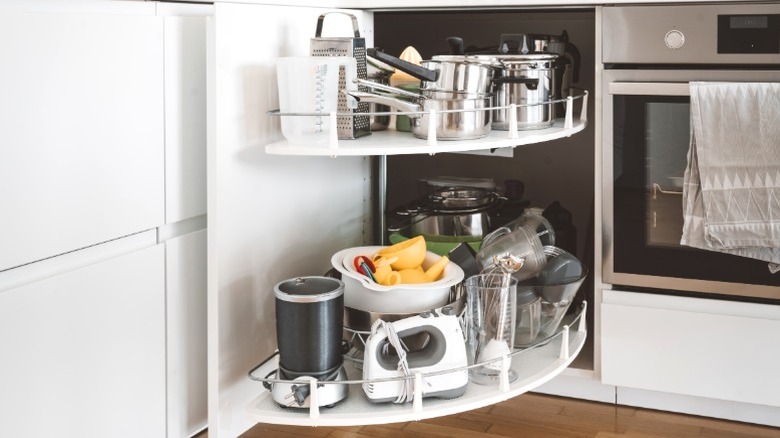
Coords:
270,218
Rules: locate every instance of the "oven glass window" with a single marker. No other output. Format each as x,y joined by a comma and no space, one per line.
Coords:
651,139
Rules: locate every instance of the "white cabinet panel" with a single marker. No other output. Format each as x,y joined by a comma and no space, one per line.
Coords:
270,217
81,131
185,117
84,352
726,355
186,333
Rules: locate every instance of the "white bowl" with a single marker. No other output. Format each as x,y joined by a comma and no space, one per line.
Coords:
363,294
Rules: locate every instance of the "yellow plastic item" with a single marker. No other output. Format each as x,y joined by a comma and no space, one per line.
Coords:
410,253
384,273
413,276
435,271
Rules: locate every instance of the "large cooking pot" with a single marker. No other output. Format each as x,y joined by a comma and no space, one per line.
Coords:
458,74
452,214
567,65
528,81
525,79
458,116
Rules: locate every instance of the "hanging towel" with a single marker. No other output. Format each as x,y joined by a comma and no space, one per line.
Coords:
731,190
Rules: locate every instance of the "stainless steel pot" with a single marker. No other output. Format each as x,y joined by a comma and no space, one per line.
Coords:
525,80
454,214
459,74
471,119
567,65
466,227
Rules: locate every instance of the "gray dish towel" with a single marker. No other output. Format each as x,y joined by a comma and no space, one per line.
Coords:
731,187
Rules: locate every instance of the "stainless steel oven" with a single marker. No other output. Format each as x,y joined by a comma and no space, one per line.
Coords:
650,55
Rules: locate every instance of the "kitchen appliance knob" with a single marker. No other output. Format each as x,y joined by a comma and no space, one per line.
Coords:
674,39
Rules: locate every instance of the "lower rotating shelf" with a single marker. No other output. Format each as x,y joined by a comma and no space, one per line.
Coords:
533,366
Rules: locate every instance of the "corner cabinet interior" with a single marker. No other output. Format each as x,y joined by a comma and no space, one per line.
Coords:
277,213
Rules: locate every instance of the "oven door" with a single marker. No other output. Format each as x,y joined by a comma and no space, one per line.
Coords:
646,137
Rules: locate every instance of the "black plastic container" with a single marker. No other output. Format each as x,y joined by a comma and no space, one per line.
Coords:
309,318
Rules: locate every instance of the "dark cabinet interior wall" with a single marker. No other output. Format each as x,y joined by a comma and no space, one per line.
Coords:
560,170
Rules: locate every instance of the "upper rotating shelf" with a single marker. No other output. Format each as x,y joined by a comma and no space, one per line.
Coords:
391,142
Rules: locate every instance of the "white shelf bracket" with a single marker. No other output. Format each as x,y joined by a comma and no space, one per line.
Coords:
503,383
334,131
417,402
565,343
582,326
568,123
314,399
584,109
513,121
432,127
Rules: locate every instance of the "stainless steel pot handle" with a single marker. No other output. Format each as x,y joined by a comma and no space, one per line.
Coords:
387,88
415,70
530,83
408,222
398,104
493,235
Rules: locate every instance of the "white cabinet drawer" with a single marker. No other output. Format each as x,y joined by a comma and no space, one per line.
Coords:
84,351
81,131
728,355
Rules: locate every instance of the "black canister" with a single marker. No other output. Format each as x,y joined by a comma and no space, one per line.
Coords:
309,318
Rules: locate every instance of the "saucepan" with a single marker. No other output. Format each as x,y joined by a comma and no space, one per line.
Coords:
452,74
452,214
459,116
525,79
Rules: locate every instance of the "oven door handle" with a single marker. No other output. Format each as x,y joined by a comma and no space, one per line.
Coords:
649,88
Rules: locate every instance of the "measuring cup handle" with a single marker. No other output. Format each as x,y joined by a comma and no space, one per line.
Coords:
493,235
321,20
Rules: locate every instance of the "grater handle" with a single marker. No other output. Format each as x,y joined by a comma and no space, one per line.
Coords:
321,20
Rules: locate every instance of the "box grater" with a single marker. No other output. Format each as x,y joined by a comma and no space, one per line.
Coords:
349,127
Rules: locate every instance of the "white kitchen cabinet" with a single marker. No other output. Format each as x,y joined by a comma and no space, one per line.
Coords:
102,162
81,129
270,217
691,346
186,334
185,113
84,351
185,208
273,217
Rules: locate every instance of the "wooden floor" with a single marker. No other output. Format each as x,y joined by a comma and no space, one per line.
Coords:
537,416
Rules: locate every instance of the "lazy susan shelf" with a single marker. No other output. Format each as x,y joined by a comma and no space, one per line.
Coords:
534,366
392,142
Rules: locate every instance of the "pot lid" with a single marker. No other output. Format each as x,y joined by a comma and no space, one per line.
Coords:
466,59
531,57
461,199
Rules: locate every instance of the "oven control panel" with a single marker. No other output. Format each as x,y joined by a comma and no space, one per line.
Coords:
716,34
749,33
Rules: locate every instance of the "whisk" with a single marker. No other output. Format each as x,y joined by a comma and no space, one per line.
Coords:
495,305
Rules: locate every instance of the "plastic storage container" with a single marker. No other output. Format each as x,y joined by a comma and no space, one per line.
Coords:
308,95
